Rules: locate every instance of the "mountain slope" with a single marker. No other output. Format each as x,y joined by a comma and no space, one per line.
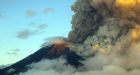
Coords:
48,52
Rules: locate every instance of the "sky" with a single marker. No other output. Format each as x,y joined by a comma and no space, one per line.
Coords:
26,24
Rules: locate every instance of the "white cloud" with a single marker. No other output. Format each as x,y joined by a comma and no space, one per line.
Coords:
50,67
58,67
10,70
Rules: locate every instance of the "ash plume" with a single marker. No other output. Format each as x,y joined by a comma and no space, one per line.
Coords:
92,14
111,28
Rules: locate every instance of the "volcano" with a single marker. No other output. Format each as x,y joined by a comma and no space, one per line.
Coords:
51,52
104,40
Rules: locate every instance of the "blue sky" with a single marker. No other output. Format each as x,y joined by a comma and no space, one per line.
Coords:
24,25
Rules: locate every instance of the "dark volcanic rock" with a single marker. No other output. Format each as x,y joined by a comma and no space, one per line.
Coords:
2,72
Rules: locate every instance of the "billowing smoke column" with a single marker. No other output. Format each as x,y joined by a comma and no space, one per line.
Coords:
110,28
120,16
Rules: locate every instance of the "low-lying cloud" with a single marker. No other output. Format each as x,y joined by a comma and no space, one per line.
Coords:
2,66
41,26
35,30
24,34
13,52
30,13
48,10
58,67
